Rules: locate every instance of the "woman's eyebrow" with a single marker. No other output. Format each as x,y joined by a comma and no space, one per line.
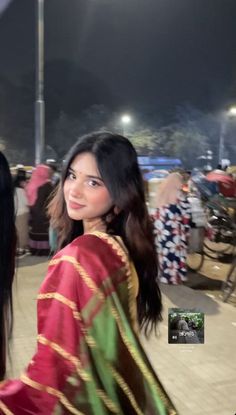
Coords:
90,176
94,177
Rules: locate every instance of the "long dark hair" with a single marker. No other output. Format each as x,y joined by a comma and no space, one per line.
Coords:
7,258
20,178
117,163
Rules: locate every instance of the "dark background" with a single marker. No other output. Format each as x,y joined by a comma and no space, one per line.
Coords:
161,60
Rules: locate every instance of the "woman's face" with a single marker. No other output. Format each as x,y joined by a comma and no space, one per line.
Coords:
86,195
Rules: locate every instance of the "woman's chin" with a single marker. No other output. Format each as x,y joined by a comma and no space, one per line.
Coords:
74,216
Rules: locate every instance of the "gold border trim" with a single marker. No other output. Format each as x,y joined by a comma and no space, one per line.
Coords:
4,408
143,368
126,389
119,379
84,275
61,298
89,282
108,402
51,391
85,376
122,252
66,355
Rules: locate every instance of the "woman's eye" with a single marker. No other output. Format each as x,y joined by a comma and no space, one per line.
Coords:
93,183
70,176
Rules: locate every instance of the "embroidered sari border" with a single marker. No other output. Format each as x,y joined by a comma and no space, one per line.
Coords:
124,255
91,342
5,410
51,391
85,376
126,389
143,368
84,275
66,355
61,298
108,402
119,379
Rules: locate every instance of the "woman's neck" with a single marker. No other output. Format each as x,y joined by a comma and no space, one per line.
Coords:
94,225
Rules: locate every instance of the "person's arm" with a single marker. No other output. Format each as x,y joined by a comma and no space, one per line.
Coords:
40,389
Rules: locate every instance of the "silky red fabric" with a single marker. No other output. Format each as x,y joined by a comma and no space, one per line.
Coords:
89,360
56,323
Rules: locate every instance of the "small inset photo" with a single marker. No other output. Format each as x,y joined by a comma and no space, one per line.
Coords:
185,326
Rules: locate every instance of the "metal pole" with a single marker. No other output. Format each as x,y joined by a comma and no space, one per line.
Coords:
222,139
39,99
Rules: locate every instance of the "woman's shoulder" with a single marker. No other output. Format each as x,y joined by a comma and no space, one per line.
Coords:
92,257
90,247
72,260
82,242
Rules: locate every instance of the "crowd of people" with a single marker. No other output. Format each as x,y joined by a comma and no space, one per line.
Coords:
31,198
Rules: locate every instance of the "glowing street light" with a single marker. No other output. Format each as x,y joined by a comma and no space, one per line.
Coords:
232,111
228,114
125,119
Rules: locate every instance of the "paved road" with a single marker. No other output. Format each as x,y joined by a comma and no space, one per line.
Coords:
201,379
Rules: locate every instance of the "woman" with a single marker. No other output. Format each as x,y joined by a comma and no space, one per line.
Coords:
172,224
22,212
7,258
89,359
38,191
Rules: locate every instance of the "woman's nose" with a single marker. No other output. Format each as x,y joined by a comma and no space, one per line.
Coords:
76,188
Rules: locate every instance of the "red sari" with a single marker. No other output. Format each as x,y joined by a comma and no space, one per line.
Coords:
89,360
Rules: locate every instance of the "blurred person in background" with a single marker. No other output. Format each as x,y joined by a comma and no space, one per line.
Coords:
172,225
38,191
100,289
7,258
55,178
22,212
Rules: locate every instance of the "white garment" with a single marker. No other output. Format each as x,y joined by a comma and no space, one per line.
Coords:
197,211
21,203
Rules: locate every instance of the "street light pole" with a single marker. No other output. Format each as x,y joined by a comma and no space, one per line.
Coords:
39,99
222,138
223,127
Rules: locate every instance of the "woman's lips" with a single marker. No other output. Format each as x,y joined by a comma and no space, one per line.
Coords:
74,205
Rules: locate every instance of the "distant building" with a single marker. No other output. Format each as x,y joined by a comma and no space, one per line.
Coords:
161,163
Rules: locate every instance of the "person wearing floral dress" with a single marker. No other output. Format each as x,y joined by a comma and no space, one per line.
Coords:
172,225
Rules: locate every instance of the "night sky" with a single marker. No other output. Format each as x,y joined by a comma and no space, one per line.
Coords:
152,53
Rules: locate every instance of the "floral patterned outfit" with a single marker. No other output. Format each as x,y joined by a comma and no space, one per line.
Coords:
172,225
